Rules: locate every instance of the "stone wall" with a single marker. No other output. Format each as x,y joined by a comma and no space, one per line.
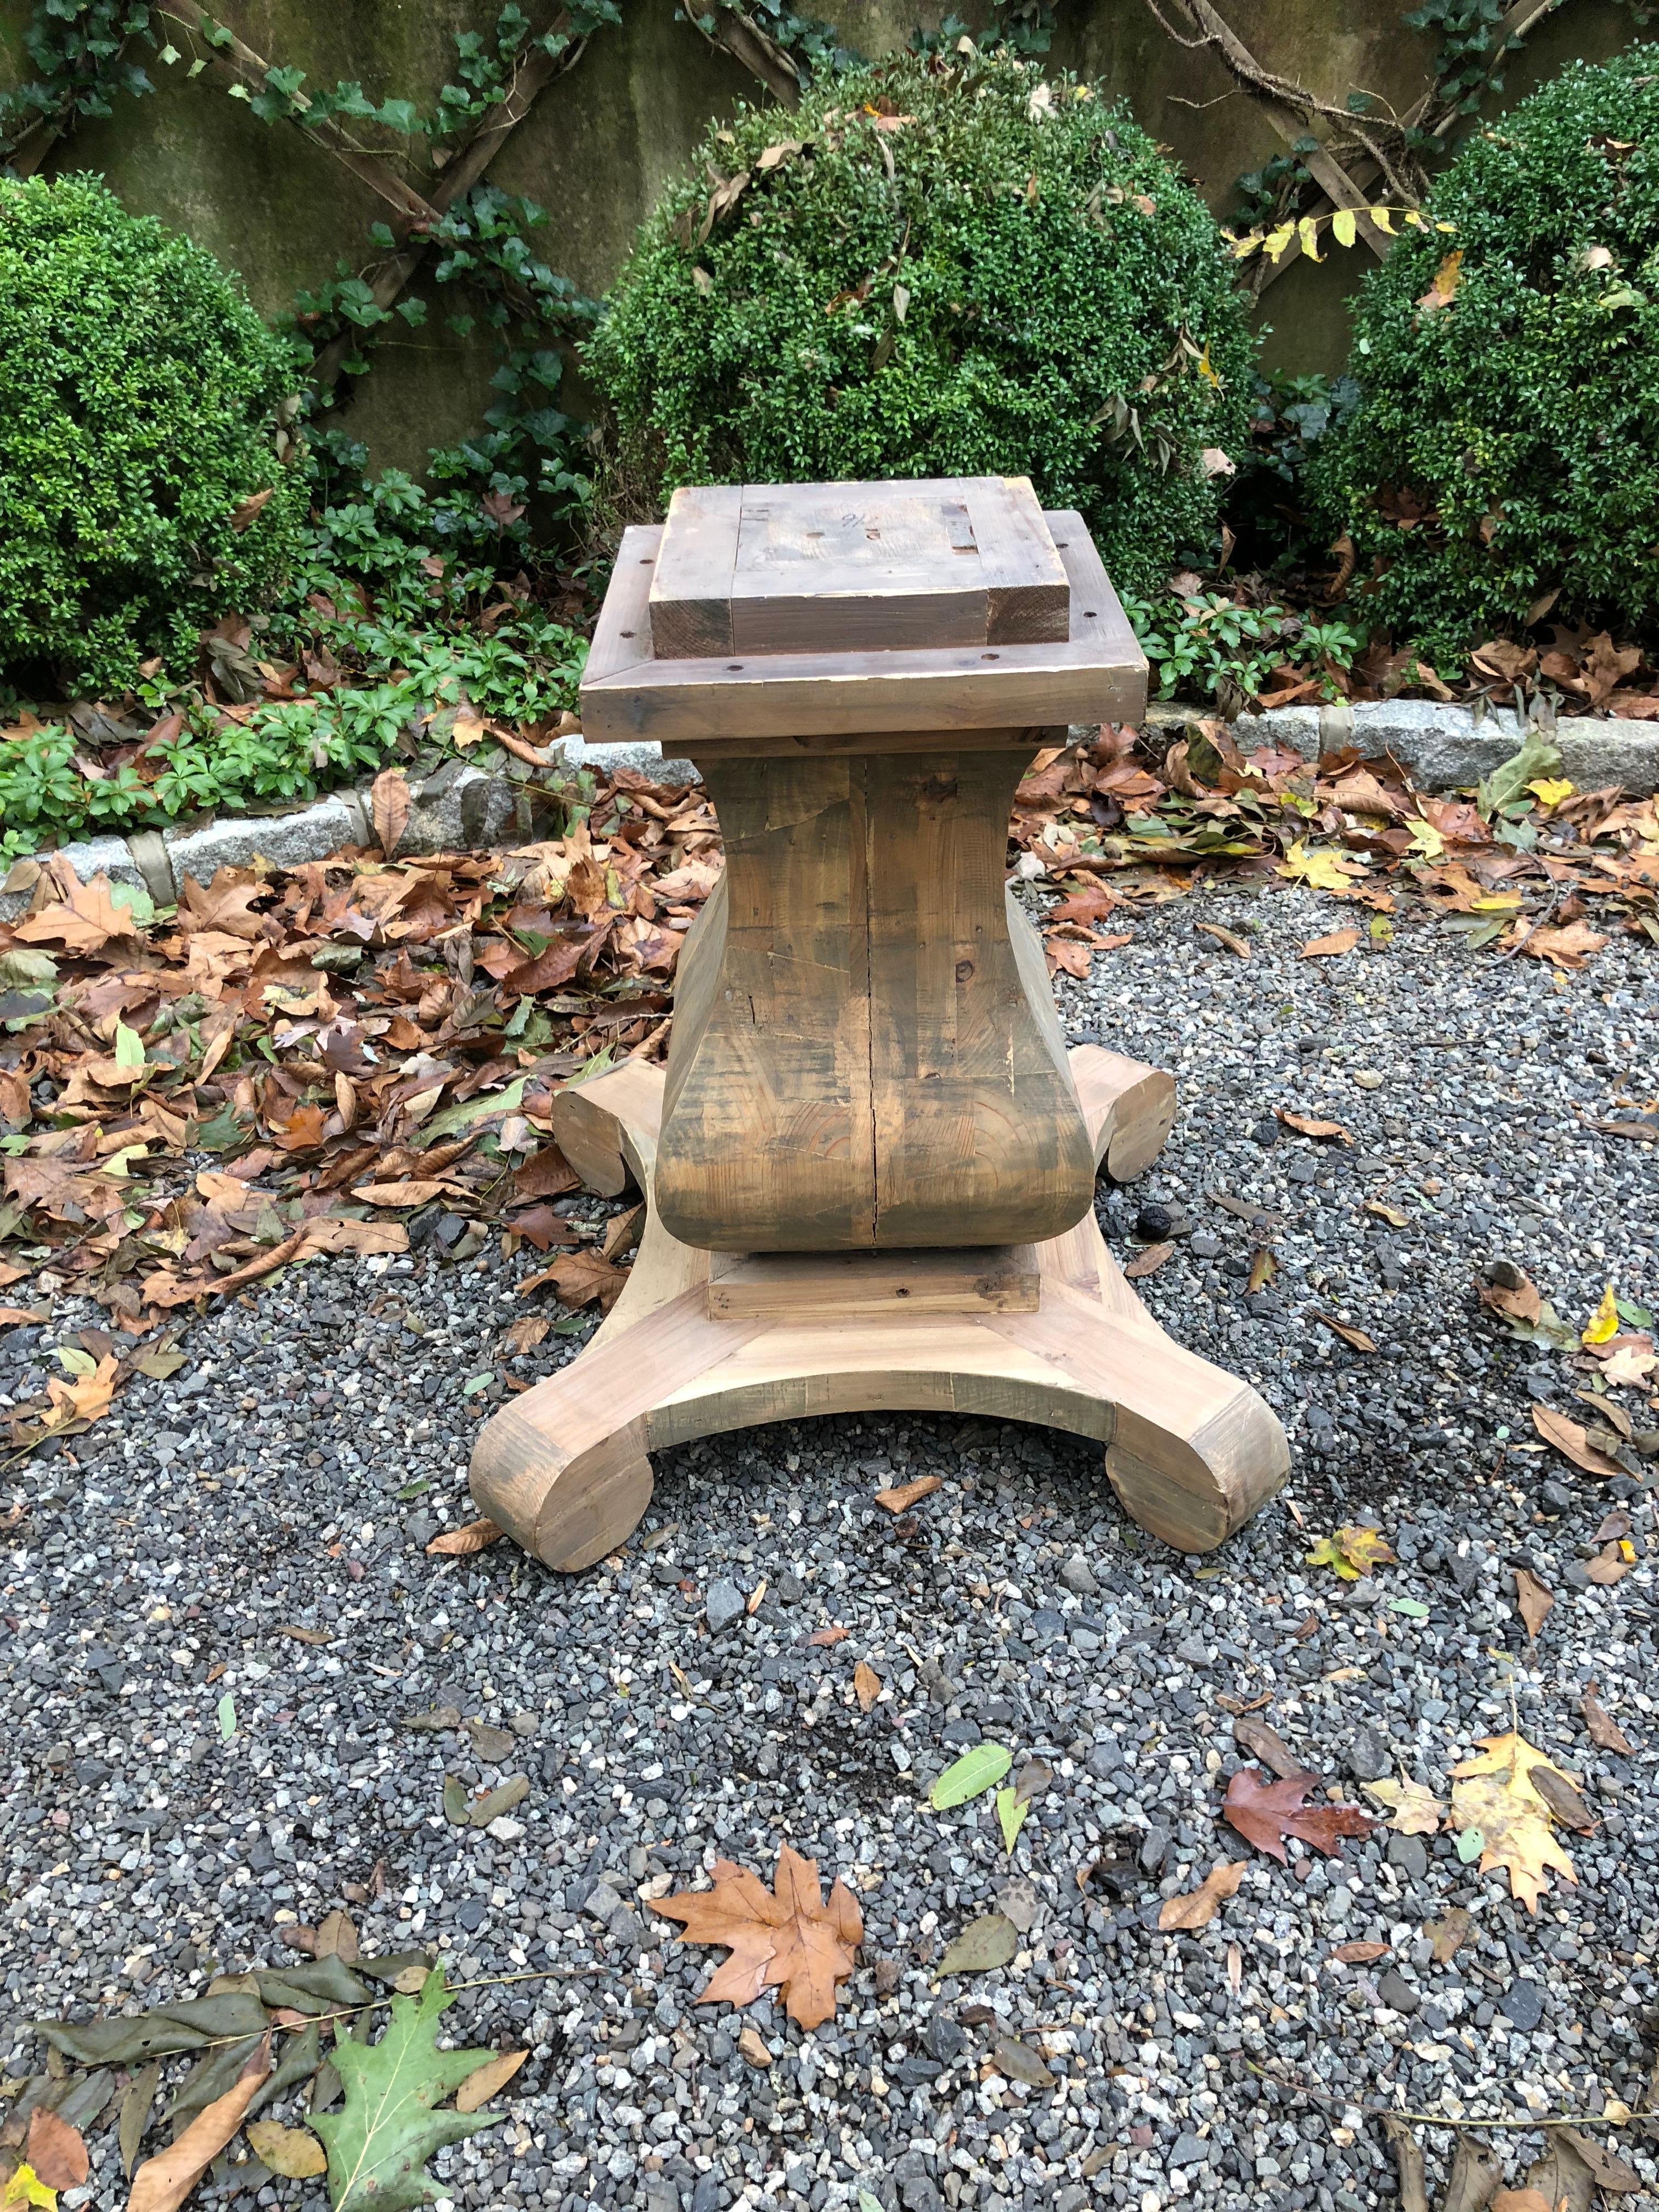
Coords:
602,140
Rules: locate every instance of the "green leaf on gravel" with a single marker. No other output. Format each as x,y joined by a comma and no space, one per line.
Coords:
975,1771
1011,1809
379,2142
1021,2064
129,1047
226,1716
984,1943
1413,1607
1470,1845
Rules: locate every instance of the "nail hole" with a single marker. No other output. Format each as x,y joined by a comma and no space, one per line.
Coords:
1061,544
1088,614
645,560
734,668
990,656
626,633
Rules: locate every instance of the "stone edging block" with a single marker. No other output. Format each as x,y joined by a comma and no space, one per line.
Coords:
462,809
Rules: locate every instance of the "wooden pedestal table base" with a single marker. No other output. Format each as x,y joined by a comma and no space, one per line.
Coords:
700,1342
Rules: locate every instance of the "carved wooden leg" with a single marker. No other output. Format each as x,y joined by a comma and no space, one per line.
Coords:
1191,1451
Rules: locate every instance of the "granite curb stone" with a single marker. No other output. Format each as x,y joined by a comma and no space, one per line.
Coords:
462,809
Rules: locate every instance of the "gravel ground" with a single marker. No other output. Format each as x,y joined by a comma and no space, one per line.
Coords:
293,1473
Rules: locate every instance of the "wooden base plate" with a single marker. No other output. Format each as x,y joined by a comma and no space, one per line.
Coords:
565,1469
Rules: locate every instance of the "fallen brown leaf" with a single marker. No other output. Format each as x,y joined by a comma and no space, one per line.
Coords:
1264,1814
1356,1339
1147,1263
1227,936
162,2183
1199,1906
1309,1124
1532,1601
57,2151
866,1684
1570,1440
1600,1726
786,1938
900,1499
494,2074
1359,1954
461,1543
1332,947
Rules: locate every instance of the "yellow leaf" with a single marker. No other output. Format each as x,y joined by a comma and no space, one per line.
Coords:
1443,290
1550,790
1205,370
24,2187
1427,844
1604,1322
1383,218
1494,1794
1326,870
1243,247
1352,1552
1306,231
1342,226
1277,240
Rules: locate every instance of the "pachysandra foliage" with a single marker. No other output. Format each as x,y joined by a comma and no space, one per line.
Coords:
1507,444
138,400
940,265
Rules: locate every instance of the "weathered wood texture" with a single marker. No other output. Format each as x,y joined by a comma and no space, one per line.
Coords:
1095,674
865,1052
772,568
565,1469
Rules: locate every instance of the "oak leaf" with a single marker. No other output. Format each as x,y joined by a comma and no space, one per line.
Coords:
1415,1811
787,1937
1264,1814
1495,1794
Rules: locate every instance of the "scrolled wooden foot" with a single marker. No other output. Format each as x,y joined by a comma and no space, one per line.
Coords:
1191,1451
1128,1107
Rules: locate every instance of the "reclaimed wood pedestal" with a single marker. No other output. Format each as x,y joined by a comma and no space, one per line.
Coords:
698,1343
870,1161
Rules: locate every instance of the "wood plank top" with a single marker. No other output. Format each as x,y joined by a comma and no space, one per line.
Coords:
845,567
1098,673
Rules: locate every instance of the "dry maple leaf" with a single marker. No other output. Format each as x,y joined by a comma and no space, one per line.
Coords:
786,1938
1353,1551
1309,1124
1495,1793
1264,1814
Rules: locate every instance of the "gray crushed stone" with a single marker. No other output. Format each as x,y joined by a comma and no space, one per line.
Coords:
292,1474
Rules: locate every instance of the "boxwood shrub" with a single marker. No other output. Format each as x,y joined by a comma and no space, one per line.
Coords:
940,265
137,387
1506,446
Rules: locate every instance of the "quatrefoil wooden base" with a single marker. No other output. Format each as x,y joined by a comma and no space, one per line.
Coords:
700,1342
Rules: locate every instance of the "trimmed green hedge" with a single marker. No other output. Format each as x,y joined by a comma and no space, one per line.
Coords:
1506,446
137,392
940,265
